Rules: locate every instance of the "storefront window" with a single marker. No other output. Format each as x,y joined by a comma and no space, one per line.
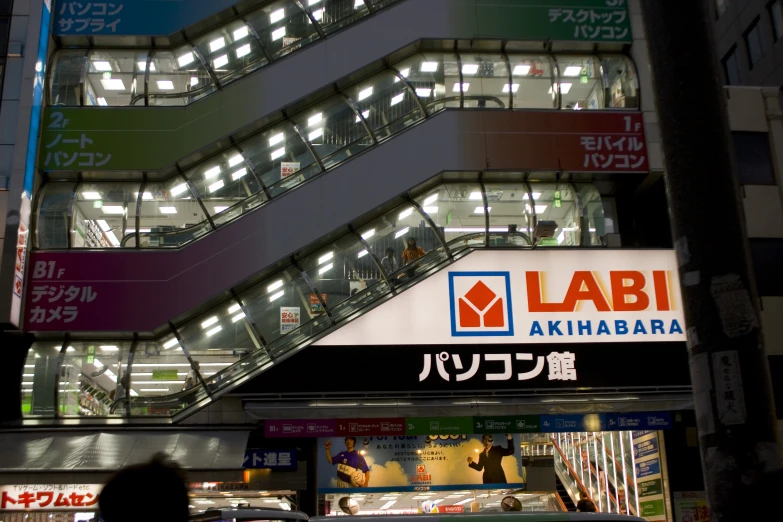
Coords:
105,215
113,78
333,15
532,81
39,379
93,378
53,227
580,84
432,76
232,51
459,212
484,81
283,27
177,78
170,215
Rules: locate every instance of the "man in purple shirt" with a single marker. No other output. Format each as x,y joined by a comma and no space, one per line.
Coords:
352,469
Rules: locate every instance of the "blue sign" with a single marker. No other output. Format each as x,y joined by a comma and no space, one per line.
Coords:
270,459
644,448
639,421
132,17
648,468
35,112
567,423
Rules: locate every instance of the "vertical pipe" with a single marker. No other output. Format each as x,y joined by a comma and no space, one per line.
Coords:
614,472
633,465
598,478
625,474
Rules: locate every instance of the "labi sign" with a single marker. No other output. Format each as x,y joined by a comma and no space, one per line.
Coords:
542,296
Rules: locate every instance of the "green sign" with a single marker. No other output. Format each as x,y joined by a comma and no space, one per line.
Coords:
439,425
90,359
650,487
507,424
652,508
558,202
164,375
548,241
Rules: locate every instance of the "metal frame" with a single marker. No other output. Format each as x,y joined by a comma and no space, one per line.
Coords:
374,258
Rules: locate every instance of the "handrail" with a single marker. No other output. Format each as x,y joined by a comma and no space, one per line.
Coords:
571,469
560,501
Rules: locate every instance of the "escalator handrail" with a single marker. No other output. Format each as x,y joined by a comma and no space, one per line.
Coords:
560,502
218,377
571,470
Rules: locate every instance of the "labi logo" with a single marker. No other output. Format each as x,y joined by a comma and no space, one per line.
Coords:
480,304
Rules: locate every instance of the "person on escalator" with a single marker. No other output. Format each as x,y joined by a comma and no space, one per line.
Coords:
410,255
585,505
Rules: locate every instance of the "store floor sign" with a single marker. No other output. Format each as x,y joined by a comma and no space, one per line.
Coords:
542,296
50,497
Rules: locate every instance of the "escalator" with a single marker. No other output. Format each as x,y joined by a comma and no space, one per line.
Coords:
562,493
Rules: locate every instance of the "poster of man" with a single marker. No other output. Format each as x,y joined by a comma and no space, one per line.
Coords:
491,459
352,468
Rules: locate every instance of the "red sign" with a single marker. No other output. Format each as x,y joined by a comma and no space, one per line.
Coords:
371,427
451,509
50,497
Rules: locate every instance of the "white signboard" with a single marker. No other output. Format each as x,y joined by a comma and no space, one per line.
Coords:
289,318
288,169
50,497
543,296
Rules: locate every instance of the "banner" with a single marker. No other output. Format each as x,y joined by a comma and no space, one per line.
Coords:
649,476
283,460
418,463
289,318
50,497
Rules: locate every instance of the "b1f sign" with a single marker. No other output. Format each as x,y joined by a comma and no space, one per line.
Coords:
541,296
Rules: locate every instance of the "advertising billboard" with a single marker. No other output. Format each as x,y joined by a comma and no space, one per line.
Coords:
418,463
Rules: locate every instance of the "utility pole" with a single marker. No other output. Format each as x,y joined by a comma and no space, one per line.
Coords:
729,368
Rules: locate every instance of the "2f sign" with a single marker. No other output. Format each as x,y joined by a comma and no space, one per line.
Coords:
630,126
44,270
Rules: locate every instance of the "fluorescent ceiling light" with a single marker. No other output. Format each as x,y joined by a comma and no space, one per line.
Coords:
150,390
274,286
365,115
103,225
465,87
358,4
109,348
146,196
464,501
143,65
317,133
220,61
102,101
475,196
315,119
368,234
388,504
313,2
238,174
405,213
185,59
521,70
397,99
171,342
514,87
276,296
362,253
429,66
101,65
179,189
423,92
276,16
402,232
168,210
113,239
235,160
193,81
536,195
366,93
326,257
277,138
431,199
211,173
470,68
325,268
565,87
113,84
480,210
209,322
237,317
217,44
277,153
404,73
218,210
278,34
431,210
113,209
240,33
165,85
243,50
233,308
318,15
572,71
561,237
91,195
216,186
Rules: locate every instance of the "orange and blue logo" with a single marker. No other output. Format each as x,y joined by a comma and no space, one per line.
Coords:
480,304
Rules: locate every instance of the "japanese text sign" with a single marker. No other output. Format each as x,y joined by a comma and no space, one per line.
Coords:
270,459
50,497
289,318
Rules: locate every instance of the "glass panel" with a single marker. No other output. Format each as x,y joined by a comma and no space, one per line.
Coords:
169,215
333,15
39,378
581,82
427,75
283,27
388,100
223,181
54,215
113,77
231,51
621,81
190,80
458,209
68,75
337,271
92,379
334,130
280,158
485,81
532,80
104,214
510,215
595,226
565,215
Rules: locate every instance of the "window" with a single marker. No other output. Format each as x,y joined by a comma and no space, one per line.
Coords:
721,6
753,43
767,257
776,17
754,162
731,67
